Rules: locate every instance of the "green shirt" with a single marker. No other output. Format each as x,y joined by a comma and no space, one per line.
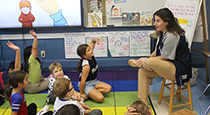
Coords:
34,70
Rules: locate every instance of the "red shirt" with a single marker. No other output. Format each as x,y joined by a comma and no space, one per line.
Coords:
18,103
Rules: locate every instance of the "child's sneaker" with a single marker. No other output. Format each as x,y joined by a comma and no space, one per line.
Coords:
43,110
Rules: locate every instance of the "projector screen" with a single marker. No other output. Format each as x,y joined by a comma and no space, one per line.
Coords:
40,13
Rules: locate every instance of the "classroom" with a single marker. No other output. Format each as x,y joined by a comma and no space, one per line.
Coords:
125,30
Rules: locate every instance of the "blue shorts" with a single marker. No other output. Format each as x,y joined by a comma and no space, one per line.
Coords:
89,85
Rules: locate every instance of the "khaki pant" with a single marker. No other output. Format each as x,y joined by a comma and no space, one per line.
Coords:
37,87
152,68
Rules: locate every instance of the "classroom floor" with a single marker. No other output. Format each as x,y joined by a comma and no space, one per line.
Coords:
124,92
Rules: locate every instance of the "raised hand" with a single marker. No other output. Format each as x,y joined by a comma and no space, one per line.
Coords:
33,33
12,46
50,6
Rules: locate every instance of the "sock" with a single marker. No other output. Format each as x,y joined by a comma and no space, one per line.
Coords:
43,110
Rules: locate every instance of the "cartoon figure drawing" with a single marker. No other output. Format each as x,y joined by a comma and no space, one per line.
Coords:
136,17
51,7
26,18
119,47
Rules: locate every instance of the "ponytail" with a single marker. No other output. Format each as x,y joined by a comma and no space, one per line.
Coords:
79,69
14,78
8,91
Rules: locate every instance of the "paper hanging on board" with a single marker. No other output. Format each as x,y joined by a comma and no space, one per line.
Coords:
140,43
71,42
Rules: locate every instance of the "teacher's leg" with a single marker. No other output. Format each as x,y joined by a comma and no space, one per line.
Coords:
143,83
152,68
165,69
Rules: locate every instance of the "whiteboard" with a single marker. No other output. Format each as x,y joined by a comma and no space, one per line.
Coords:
129,6
187,13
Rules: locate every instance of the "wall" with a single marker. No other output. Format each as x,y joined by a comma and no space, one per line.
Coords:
54,48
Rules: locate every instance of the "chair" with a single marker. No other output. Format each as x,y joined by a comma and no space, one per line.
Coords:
178,94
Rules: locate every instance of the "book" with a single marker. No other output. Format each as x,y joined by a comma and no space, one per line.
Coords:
146,18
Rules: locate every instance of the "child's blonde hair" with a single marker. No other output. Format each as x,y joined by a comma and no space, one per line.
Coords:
54,65
140,107
61,87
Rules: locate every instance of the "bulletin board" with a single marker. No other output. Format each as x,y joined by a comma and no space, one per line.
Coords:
118,43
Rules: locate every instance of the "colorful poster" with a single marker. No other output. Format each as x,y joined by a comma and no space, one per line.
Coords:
95,20
119,44
101,49
146,18
131,19
95,6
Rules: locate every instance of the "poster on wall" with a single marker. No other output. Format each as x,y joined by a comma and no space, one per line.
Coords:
140,43
71,42
146,18
101,49
119,44
131,19
95,20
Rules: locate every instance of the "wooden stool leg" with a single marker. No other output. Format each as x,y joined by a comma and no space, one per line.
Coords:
150,82
161,91
171,97
189,95
179,93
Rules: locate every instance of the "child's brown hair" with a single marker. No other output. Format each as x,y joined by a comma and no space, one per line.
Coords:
140,107
54,65
61,87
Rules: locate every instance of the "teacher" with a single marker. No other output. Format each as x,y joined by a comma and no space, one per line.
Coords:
171,58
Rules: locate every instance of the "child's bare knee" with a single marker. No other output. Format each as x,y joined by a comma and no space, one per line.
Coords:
100,99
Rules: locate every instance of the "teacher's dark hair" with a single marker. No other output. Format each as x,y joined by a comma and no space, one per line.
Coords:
167,16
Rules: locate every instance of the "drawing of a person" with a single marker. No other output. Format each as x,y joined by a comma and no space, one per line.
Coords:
119,48
51,7
26,18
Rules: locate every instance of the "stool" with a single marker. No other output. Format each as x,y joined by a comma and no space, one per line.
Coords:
178,94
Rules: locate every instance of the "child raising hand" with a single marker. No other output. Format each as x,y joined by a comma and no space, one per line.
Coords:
88,68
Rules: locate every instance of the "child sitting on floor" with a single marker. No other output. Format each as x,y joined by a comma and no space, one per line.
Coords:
18,80
56,71
63,89
88,83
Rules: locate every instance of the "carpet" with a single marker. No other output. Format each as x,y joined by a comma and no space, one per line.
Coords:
114,103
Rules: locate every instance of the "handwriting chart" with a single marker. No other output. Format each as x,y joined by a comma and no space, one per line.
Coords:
101,49
187,13
71,42
140,43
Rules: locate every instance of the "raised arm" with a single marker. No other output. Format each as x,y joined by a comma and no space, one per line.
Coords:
34,50
93,42
17,57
